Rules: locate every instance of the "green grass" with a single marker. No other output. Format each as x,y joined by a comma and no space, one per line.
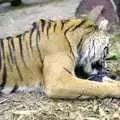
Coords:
116,55
116,37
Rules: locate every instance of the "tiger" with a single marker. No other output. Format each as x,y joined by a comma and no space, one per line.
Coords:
48,53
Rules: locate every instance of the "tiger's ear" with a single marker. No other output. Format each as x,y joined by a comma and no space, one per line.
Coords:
103,24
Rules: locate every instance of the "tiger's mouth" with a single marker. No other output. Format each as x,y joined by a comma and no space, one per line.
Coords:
82,73
99,72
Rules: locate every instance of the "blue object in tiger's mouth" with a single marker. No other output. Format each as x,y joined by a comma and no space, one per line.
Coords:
99,77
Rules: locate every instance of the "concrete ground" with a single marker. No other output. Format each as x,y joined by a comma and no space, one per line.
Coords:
13,20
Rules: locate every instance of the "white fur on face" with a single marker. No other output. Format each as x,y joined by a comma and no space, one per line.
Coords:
106,78
93,49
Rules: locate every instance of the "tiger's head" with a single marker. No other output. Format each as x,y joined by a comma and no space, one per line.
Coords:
93,51
89,44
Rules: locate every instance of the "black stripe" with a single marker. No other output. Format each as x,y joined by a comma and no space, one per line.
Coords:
68,71
51,20
38,44
68,40
54,28
12,43
4,72
48,27
14,88
78,46
4,77
28,50
10,50
9,63
66,21
21,49
2,47
18,69
15,61
79,25
26,42
68,29
0,54
42,24
63,22
31,32
20,45
9,37
89,26
71,58
70,48
53,23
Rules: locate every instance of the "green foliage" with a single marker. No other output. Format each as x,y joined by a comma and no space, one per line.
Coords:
116,55
116,38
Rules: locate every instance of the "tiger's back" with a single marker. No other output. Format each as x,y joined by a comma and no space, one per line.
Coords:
20,62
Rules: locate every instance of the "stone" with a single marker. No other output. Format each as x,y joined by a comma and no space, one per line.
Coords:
109,11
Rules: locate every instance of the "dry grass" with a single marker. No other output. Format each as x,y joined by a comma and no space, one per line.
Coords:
35,106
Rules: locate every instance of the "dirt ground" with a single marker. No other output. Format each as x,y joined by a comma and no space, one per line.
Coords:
35,105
